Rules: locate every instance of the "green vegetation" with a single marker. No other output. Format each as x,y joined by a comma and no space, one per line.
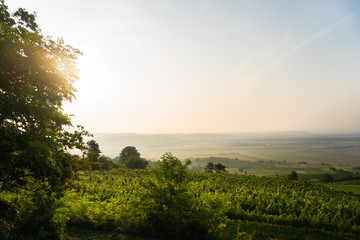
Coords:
36,76
93,153
170,201
130,157
327,177
217,167
306,172
293,176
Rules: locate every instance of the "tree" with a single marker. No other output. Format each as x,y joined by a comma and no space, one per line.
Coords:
36,76
209,167
106,162
327,177
128,152
167,201
293,176
219,168
136,162
93,153
172,206
131,158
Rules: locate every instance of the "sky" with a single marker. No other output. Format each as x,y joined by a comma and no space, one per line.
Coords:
161,66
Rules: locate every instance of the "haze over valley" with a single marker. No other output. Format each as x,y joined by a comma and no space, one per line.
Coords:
291,146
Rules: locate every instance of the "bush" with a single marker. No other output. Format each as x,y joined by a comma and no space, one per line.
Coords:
170,206
136,162
293,176
327,177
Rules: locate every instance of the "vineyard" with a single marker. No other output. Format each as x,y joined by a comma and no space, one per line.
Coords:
171,201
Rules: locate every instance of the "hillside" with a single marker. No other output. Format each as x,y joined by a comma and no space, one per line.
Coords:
275,146
210,206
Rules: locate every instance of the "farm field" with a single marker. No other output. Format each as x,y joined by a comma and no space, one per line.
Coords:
226,205
252,200
335,149
262,156
306,171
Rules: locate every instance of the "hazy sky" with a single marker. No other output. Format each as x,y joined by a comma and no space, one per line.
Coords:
152,66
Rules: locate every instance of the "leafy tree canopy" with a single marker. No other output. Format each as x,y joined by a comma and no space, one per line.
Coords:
106,162
128,152
209,167
327,177
36,76
131,158
168,201
170,169
217,167
293,176
93,153
136,162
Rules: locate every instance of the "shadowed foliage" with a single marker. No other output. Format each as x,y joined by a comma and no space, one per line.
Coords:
293,176
36,76
131,158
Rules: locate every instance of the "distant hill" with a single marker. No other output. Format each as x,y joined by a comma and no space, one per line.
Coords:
244,146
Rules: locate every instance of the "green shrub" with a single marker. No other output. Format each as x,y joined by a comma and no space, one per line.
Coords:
170,206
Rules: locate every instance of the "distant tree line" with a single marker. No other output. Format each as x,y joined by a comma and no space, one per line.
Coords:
339,170
214,167
129,157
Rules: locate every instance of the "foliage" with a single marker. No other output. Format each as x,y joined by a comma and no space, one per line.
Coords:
36,76
209,167
93,153
217,167
136,162
205,205
106,163
168,204
160,201
327,177
131,158
293,176
128,152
